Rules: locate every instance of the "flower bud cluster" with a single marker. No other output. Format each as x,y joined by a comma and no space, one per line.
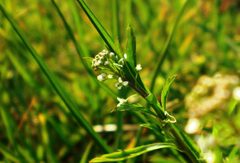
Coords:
109,65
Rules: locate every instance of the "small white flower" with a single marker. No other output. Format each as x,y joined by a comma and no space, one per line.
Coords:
121,101
106,62
98,62
120,80
118,85
138,67
125,83
110,76
236,93
105,51
101,77
111,54
125,55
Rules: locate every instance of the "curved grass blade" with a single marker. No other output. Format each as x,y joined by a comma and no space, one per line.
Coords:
164,51
165,91
101,30
68,101
131,153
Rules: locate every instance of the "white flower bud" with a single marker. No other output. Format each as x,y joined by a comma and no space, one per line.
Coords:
138,67
101,77
110,76
111,54
125,83
106,62
120,80
121,101
125,55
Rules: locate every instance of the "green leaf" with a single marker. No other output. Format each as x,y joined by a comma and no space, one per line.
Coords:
8,123
131,47
65,97
86,153
131,153
165,90
99,27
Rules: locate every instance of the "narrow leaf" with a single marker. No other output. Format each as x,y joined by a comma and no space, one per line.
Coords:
165,90
99,27
131,153
131,47
8,123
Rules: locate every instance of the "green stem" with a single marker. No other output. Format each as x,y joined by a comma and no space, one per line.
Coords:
183,142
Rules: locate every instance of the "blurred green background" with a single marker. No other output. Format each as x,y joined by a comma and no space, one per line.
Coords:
35,125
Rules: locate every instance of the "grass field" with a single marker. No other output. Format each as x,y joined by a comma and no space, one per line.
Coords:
120,81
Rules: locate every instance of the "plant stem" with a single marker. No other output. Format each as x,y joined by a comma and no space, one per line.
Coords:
182,141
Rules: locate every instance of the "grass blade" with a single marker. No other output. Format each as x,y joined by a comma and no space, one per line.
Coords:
165,91
131,153
69,102
101,30
131,47
9,123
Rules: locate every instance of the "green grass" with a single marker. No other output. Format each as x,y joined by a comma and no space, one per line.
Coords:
51,100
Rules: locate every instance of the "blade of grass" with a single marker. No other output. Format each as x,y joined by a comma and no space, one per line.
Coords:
8,123
98,26
86,153
68,100
131,153
166,46
51,157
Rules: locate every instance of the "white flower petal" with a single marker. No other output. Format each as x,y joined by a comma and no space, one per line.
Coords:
125,83
125,55
138,67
